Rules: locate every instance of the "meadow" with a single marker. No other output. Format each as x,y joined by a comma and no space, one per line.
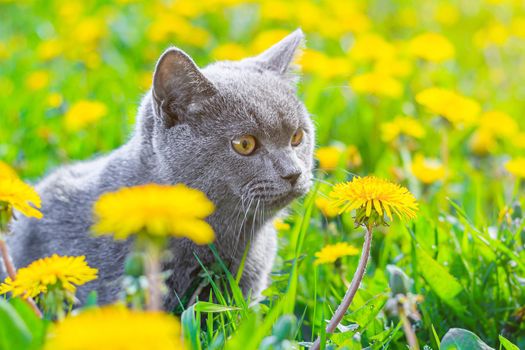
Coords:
427,94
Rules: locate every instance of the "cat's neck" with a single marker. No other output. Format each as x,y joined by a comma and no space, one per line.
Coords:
236,224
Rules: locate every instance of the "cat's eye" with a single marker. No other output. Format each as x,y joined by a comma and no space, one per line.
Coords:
297,137
244,145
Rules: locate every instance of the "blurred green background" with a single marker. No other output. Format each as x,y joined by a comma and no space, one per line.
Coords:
72,75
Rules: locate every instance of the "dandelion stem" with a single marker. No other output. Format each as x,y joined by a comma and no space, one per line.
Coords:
10,268
352,290
11,272
34,307
409,332
153,274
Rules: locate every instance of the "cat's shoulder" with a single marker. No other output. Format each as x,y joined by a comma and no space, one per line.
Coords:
66,183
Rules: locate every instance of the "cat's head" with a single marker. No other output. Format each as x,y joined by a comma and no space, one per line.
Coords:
234,129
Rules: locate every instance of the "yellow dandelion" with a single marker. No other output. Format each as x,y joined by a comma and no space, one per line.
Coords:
49,49
84,113
145,80
307,15
323,66
431,47
344,17
38,80
71,10
89,30
516,167
517,26
499,123
330,253
229,51
329,157
482,142
373,198
378,84
447,14
494,34
7,171
337,67
20,195
188,9
54,100
427,170
372,47
402,126
167,25
312,61
267,38
457,109
116,327
67,272
353,157
156,210
276,10
394,66
280,225
323,204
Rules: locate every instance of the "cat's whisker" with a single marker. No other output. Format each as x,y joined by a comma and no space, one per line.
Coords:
246,214
324,172
322,181
237,212
324,195
254,221
349,172
240,232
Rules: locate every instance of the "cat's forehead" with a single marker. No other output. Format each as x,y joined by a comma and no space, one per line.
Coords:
256,99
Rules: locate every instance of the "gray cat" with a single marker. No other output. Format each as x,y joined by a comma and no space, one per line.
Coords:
234,130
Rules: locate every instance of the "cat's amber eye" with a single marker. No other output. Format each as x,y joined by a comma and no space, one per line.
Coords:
297,137
244,145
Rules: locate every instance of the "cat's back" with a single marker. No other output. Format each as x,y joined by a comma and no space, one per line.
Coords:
67,191
67,195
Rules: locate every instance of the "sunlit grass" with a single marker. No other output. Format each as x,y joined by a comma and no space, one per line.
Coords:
428,95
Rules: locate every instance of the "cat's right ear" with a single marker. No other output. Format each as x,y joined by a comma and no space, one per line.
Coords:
280,57
178,83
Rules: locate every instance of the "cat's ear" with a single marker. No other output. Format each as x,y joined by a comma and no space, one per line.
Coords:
280,57
178,83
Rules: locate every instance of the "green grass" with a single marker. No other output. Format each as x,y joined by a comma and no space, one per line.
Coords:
466,261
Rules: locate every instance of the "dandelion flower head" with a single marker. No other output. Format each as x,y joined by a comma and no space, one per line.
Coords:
37,277
331,252
116,327
156,210
373,198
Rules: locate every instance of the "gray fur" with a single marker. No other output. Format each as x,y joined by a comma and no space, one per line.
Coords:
183,135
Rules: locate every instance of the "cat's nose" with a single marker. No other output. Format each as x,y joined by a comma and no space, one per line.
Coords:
291,177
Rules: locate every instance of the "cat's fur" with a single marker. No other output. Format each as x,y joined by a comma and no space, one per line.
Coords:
183,135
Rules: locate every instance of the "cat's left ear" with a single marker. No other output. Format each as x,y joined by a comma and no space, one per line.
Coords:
280,57
178,83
